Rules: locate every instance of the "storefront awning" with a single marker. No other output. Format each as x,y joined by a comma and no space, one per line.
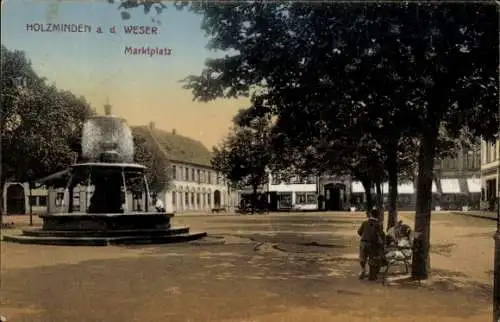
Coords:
406,188
450,186
434,187
357,187
474,185
403,188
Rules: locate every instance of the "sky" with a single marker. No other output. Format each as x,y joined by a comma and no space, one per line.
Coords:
141,89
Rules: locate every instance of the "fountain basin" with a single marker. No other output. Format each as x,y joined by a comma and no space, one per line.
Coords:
80,229
106,222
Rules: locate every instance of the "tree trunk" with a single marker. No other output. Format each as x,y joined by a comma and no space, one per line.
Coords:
421,246
367,185
380,201
392,171
2,190
254,197
30,203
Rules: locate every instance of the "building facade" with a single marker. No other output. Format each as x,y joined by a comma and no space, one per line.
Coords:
490,163
18,199
298,193
194,185
456,186
458,180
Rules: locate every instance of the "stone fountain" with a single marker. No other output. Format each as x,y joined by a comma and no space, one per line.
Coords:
106,198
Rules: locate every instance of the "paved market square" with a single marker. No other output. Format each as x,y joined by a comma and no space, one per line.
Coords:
276,267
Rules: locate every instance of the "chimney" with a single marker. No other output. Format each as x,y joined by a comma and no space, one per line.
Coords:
152,125
174,132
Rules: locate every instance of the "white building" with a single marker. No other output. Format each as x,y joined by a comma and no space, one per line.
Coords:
194,185
296,193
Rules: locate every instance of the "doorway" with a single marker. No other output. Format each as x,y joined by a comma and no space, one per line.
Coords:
16,200
273,201
334,197
217,199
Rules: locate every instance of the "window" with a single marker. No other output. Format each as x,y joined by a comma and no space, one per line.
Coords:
174,195
59,199
198,199
312,198
33,200
186,198
209,175
285,200
186,174
192,198
198,175
42,200
209,199
305,198
76,202
477,159
300,198
174,172
488,152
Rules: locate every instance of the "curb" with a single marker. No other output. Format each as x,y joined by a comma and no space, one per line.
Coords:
475,216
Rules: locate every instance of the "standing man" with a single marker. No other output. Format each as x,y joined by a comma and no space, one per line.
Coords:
371,245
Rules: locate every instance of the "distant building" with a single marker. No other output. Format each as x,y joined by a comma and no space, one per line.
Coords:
456,186
295,193
17,199
458,180
490,186
194,185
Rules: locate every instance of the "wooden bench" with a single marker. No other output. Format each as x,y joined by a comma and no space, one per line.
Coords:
397,256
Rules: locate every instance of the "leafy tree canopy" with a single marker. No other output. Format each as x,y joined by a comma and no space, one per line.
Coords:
40,125
245,154
378,72
148,153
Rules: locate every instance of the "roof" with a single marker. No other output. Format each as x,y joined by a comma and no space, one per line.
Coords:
175,147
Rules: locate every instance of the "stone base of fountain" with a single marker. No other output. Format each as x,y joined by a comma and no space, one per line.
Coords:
105,229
